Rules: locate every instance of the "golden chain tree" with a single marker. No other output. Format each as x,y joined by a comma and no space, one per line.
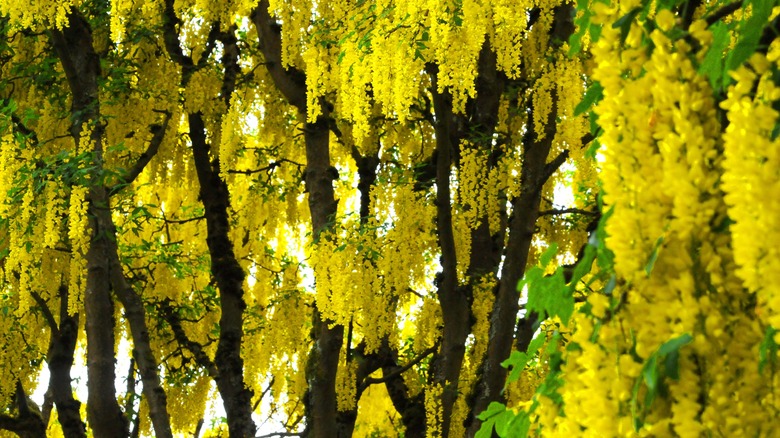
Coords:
679,336
318,213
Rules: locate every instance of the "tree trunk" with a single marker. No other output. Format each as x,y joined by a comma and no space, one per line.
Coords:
323,360
60,361
229,275
525,210
82,69
324,357
456,312
147,363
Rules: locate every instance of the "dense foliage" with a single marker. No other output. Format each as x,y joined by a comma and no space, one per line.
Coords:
678,337
356,218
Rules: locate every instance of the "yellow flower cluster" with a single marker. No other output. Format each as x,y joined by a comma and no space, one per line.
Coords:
23,251
10,165
472,183
427,321
24,345
481,309
187,403
752,179
296,16
376,414
345,385
79,236
433,411
506,35
377,52
597,380
201,95
676,182
54,210
25,14
119,12
230,137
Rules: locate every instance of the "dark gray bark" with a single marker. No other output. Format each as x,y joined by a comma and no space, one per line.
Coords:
477,126
135,313
214,194
322,416
229,275
28,422
59,358
454,301
82,69
324,357
81,64
525,210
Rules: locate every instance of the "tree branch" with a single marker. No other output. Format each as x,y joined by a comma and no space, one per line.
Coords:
567,211
28,423
385,378
688,9
290,81
550,168
183,221
158,132
202,359
279,434
47,315
171,37
273,165
723,12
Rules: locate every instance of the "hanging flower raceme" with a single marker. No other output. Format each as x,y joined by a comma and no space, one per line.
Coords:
692,231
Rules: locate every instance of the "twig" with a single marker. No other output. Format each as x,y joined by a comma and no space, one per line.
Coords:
550,168
268,168
567,211
370,380
723,12
47,315
158,132
280,434
201,358
183,221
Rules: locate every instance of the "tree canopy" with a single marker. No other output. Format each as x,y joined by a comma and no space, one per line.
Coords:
411,218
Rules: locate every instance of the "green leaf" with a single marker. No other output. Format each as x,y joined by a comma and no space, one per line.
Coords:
667,354
712,65
594,146
583,266
493,409
517,361
593,95
775,132
486,429
583,25
503,423
536,344
750,33
624,23
767,351
670,352
550,296
675,344
520,425
654,255
672,365
548,254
